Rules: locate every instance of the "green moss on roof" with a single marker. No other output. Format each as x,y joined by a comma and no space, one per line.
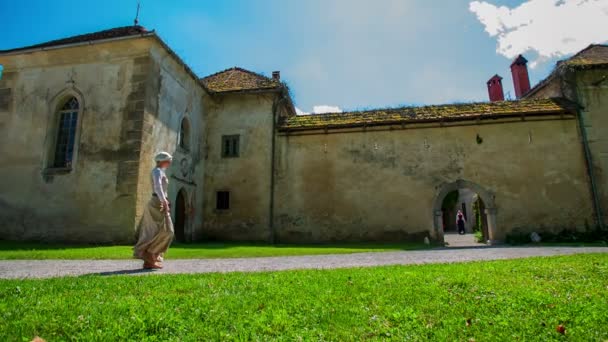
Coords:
591,56
439,113
238,79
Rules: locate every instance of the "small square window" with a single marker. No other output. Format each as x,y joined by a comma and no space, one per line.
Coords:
230,146
223,200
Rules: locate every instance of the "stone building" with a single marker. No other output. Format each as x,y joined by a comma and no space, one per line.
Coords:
82,117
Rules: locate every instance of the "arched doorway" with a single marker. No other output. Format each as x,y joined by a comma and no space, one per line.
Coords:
180,216
479,206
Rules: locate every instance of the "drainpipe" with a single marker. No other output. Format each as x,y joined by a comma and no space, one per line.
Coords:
590,173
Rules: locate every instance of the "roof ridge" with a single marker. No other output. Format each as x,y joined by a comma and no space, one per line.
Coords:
238,69
115,32
589,47
255,73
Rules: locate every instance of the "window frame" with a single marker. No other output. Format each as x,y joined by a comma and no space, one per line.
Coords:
71,116
54,109
231,150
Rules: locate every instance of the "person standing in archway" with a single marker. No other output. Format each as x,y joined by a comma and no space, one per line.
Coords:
460,222
155,231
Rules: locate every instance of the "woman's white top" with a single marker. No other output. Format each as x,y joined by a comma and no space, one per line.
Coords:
160,183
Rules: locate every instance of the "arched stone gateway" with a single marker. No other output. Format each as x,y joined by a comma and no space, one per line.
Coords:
486,196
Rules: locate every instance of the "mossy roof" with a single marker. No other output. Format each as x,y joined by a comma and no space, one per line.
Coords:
593,55
438,113
239,80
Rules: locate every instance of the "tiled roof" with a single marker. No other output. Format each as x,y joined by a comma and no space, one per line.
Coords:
440,113
100,35
592,55
237,80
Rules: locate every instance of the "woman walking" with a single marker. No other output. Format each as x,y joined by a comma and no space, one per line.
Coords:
155,231
460,221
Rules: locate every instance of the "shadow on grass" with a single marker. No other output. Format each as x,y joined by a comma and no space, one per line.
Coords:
121,272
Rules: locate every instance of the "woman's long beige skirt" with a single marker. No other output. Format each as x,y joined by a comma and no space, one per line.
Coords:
155,231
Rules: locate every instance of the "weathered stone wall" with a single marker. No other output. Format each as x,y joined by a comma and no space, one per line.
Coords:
172,94
95,201
589,89
246,177
553,88
369,184
382,184
592,94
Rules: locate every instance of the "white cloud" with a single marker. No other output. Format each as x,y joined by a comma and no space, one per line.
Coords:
301,112
326,109
321,109
551,28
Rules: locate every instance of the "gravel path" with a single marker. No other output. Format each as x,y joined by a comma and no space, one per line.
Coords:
16,269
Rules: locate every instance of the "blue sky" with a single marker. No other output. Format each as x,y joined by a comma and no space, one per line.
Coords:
351,54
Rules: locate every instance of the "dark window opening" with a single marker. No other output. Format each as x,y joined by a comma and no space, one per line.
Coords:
230,146
223,200
184,135
66,134
180,216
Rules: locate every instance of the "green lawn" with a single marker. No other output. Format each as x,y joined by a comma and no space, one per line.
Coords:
521,300
31,251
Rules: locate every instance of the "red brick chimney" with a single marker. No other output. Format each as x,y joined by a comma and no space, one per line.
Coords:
495,89
276,75
521,80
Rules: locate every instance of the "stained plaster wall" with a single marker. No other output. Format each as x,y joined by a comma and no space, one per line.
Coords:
172,94
247,177
589,89
95,201
592,95
380,185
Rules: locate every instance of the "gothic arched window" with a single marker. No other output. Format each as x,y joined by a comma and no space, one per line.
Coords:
184,135
66,133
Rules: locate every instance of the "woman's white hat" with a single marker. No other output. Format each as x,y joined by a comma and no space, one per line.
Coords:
163,156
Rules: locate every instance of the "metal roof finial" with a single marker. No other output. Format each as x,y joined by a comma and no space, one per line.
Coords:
136,21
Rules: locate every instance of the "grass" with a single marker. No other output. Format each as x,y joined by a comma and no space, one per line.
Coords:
523,299
39,251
